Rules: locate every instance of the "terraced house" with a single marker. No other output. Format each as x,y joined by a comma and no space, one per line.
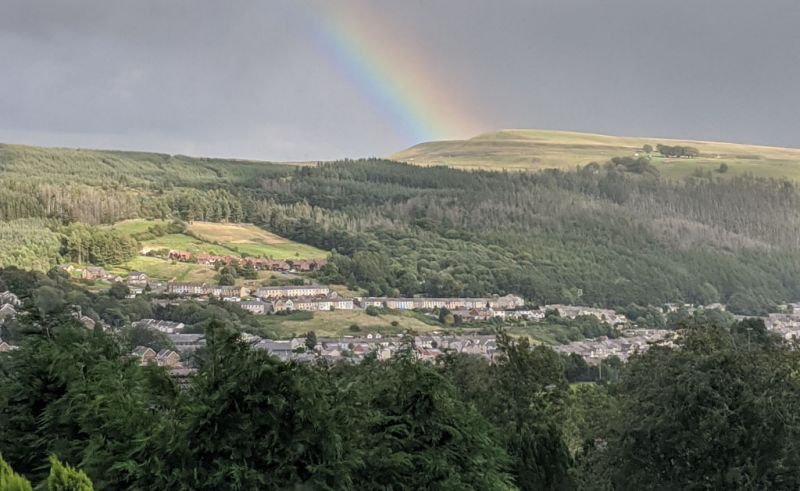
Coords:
292,291
322,304
204,289
498,303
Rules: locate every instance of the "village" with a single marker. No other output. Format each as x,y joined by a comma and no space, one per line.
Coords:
266,300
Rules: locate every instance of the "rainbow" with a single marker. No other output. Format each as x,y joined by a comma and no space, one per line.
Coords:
396,79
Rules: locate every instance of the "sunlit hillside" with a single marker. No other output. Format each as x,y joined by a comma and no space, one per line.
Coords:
543,149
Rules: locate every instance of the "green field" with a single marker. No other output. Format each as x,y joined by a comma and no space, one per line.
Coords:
167,270
222,239
545,149
337,323
252,241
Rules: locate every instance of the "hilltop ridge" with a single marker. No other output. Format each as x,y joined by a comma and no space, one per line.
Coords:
521,149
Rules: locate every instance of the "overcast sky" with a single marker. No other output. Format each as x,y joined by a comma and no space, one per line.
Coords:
253,78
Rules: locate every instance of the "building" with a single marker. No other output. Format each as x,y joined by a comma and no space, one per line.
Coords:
143,355
137,278
281,349
343,303
227,291
187,343
168,358
87,322
167,327
293,291
507,302
7,311
186,289
8,298
256,307
424,303
282,305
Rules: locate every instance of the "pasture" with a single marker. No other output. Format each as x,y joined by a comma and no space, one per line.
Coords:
530,150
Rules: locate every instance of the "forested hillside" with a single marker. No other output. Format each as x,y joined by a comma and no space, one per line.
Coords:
610,234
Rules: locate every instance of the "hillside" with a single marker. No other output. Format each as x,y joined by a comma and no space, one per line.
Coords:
544,149
606,236
222,239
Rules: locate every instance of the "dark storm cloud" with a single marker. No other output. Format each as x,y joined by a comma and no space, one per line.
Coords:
243,78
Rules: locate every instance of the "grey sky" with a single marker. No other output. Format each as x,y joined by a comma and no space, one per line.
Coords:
246,79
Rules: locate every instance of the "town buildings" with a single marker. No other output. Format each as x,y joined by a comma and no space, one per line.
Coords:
199,289
427,303
257,307
167,327
293,291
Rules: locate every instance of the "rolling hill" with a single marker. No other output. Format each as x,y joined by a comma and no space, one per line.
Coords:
543,149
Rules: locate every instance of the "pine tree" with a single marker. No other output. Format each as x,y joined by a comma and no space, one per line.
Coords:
65,478
9,481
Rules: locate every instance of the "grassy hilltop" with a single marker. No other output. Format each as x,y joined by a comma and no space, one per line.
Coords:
544,149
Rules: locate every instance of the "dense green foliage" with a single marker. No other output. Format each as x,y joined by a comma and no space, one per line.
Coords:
586,236
87,244
65,478
29,242
677,151
719,411
11,481
62,478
